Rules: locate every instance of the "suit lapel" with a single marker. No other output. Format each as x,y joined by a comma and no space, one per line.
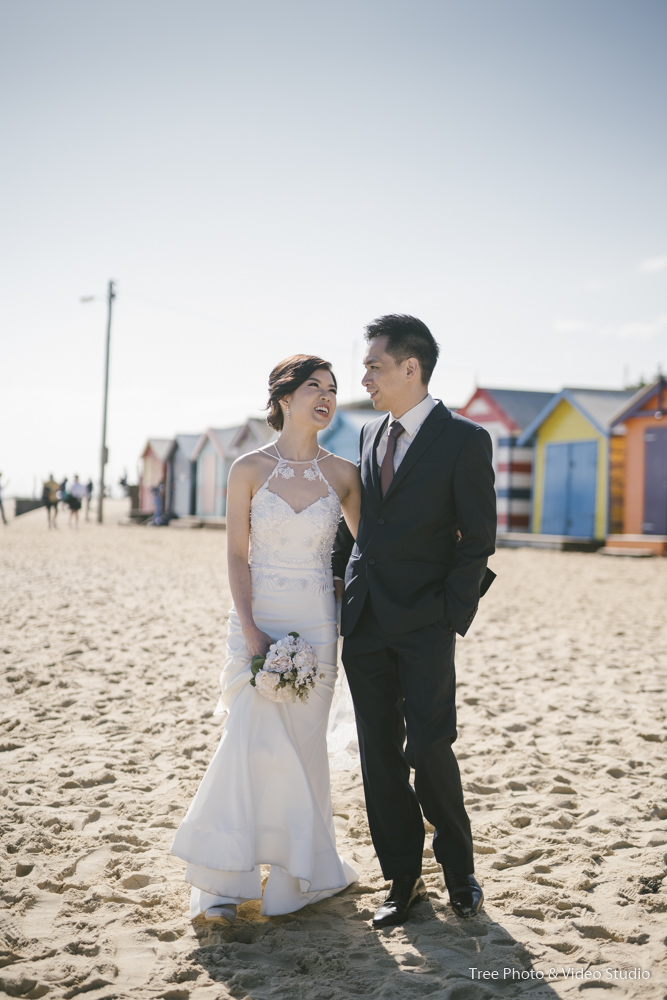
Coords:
426,435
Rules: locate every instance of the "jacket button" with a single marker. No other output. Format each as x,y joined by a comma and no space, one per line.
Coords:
371,562
380,520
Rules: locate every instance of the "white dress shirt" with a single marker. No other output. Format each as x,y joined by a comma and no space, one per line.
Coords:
410,422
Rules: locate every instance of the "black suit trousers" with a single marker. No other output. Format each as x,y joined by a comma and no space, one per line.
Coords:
405,685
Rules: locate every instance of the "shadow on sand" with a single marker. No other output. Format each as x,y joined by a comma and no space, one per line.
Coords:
330,952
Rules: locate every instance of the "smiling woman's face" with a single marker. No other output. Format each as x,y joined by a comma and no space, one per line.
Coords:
314,402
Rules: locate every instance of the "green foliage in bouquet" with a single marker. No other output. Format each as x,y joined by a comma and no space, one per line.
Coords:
256,665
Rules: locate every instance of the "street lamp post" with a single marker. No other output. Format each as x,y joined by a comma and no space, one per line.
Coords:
111,295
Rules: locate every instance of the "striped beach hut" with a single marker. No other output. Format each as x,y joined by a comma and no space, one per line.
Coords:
154,459
643,484
573,445
181,476
505,414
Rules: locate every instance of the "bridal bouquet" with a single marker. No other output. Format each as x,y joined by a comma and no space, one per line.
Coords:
288,671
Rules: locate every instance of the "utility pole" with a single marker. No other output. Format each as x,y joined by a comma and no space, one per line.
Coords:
111,295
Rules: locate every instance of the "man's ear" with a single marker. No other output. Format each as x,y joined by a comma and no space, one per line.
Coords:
412,369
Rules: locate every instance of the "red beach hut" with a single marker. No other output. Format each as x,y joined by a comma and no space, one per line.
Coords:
505,413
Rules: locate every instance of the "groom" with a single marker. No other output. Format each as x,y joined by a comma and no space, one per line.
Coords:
410,586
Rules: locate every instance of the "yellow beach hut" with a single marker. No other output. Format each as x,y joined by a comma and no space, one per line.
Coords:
571,436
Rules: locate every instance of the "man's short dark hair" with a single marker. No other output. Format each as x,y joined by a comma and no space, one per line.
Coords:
407,337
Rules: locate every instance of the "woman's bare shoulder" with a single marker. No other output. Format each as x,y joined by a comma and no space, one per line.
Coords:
253,462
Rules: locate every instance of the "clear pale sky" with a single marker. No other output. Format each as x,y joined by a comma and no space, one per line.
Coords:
264,177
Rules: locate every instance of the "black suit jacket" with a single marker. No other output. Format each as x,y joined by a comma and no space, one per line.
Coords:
406,554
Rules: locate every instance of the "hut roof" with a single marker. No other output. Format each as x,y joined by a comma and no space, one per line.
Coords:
220,438
636,403
520,405
261,429
223,438
254,429
160,448
186,442
595,405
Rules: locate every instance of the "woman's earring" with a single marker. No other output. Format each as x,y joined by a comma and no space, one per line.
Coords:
287,410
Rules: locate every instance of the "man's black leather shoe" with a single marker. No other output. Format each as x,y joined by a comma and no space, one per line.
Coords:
404,893
465,893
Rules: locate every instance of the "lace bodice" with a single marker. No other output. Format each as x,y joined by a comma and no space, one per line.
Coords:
291,547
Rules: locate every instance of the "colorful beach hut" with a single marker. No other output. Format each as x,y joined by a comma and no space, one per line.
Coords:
154,469
181,476
571,435
214,454
505,414
643,422
213,461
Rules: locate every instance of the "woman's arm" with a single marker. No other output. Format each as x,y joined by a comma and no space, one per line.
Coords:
351,500
350,494
239,495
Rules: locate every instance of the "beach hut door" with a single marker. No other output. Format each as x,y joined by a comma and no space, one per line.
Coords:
570,489
655,481
208,483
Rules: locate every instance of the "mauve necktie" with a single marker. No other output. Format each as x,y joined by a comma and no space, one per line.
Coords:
387,467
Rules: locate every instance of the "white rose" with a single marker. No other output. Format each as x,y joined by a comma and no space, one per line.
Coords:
267,682
282,664
278,660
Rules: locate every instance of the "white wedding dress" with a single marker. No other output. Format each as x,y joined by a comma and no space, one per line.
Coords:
265,797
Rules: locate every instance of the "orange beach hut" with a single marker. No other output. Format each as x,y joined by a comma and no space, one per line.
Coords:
644,486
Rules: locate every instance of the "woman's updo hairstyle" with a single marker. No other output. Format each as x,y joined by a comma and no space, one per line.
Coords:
286,378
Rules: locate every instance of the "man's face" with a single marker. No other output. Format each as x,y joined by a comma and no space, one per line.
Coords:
385,381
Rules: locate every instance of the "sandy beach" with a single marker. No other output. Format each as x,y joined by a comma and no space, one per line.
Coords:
111,643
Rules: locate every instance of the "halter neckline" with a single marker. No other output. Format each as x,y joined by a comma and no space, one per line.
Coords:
300,461
313,473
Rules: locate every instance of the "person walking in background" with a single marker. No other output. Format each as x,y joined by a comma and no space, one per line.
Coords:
158,501
88,497
50,497
77,492
2,509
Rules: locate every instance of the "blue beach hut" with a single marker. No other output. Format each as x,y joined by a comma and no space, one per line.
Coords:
342,435
181,476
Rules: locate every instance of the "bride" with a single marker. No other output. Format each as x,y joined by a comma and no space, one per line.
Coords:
265,797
